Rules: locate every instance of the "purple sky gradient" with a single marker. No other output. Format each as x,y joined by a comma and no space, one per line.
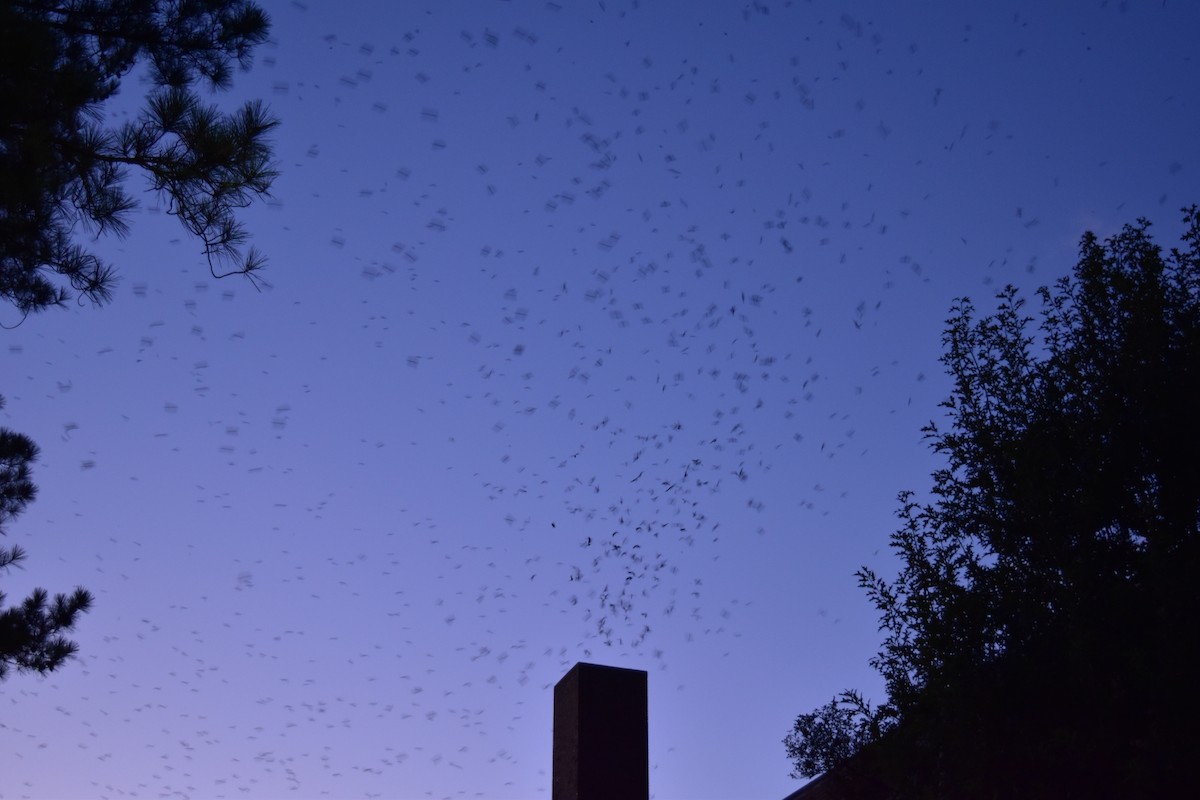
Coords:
596,332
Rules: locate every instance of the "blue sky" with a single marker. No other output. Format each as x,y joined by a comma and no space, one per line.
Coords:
595,332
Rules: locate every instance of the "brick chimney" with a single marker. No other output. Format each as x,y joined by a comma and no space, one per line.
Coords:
601,744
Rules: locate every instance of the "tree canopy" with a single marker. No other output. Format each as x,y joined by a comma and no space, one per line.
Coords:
31,634
63,170
62,178
1041,637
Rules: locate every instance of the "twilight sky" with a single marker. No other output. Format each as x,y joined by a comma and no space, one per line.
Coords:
597,331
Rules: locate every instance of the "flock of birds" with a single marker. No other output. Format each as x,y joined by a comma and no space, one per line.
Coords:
595,332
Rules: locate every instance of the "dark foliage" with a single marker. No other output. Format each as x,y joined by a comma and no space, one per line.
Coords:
1041,637
62,170
62,177
31,634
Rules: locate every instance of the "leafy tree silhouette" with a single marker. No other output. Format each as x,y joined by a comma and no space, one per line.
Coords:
31,634
62,169
62,173
1041,636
